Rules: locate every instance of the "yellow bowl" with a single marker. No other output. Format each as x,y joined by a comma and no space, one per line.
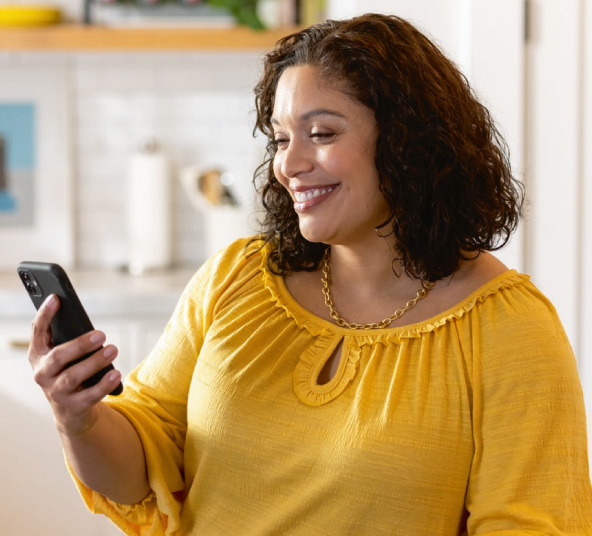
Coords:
29,15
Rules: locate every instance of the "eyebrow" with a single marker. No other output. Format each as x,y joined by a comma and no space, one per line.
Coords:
314,113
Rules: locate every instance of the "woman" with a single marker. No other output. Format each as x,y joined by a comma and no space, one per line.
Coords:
365,366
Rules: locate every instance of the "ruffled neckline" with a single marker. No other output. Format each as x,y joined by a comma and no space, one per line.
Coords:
327,335
318,326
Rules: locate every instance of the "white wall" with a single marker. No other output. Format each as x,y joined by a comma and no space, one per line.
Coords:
585,223
197,105
559,163
444,20
553,156
494,62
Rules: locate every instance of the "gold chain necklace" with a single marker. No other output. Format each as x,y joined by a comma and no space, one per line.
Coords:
326,280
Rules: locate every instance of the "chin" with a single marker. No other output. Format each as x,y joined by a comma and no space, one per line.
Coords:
319,228
315,236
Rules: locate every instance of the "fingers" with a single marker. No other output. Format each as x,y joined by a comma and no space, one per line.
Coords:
64,367
70,376
75,413
89,396
68,384
71,403
49,362
60,370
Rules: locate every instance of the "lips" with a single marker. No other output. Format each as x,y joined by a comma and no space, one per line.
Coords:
310,197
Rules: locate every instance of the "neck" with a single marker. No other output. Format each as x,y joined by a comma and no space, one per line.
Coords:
369,266
367,295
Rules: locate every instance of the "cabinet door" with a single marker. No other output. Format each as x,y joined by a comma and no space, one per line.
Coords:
37,493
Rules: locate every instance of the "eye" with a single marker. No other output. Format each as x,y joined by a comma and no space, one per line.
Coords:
280,141
323,137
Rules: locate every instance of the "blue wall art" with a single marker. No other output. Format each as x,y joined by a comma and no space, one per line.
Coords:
17,164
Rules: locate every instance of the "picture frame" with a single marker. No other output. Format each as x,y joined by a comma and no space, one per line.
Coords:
36,187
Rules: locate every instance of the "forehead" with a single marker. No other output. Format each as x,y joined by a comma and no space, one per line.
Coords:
310,75
302,86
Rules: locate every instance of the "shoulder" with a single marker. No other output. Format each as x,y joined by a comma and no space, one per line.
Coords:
516,333
239,260
486,277
471,276
506,307
236,255
473,280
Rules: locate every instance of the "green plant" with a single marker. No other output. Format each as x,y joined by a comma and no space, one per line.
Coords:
244,11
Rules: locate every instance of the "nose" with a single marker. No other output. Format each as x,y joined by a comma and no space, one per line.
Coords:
295,159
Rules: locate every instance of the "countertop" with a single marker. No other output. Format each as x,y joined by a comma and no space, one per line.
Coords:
104,292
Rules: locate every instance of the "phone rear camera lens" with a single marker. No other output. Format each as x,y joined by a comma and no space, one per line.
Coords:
25,276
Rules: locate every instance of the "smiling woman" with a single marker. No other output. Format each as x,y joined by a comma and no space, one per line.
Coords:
364,365
442,164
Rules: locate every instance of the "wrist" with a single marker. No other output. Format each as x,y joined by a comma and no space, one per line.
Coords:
76,427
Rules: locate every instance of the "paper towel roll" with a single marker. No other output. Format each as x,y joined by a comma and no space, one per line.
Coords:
149,210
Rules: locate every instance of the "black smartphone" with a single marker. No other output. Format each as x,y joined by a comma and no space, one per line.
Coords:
42,279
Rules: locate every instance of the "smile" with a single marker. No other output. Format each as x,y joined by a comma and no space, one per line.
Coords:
305,199
301,197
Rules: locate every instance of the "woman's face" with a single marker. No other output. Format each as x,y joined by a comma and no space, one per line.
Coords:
325,158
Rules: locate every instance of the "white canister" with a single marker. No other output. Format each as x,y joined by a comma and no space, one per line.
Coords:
149,210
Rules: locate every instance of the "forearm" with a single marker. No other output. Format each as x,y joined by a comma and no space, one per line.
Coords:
109,457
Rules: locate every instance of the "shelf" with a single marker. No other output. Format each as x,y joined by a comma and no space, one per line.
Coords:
100,38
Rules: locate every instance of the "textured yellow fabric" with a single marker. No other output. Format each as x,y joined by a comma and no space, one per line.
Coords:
469,423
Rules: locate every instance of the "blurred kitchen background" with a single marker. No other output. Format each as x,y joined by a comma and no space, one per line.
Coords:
131,113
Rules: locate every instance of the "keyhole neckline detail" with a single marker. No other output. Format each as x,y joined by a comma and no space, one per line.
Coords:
306,374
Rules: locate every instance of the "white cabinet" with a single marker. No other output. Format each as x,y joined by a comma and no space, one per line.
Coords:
36,492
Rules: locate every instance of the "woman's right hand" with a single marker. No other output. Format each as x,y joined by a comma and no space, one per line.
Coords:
74,407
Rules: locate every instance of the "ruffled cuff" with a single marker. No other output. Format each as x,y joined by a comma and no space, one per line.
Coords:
140,519
159,512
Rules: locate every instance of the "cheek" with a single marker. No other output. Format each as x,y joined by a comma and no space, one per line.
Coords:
334,164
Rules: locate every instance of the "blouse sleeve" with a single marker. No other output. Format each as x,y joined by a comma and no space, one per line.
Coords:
530,472
155,402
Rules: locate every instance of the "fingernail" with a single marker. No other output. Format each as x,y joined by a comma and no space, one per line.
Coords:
109,351
113,376
96,337
51,302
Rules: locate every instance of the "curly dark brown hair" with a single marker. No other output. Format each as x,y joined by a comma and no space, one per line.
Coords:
443,165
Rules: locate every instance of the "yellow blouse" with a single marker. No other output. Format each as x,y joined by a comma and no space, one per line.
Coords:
469,423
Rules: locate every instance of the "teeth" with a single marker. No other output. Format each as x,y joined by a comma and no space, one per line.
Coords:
310,194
